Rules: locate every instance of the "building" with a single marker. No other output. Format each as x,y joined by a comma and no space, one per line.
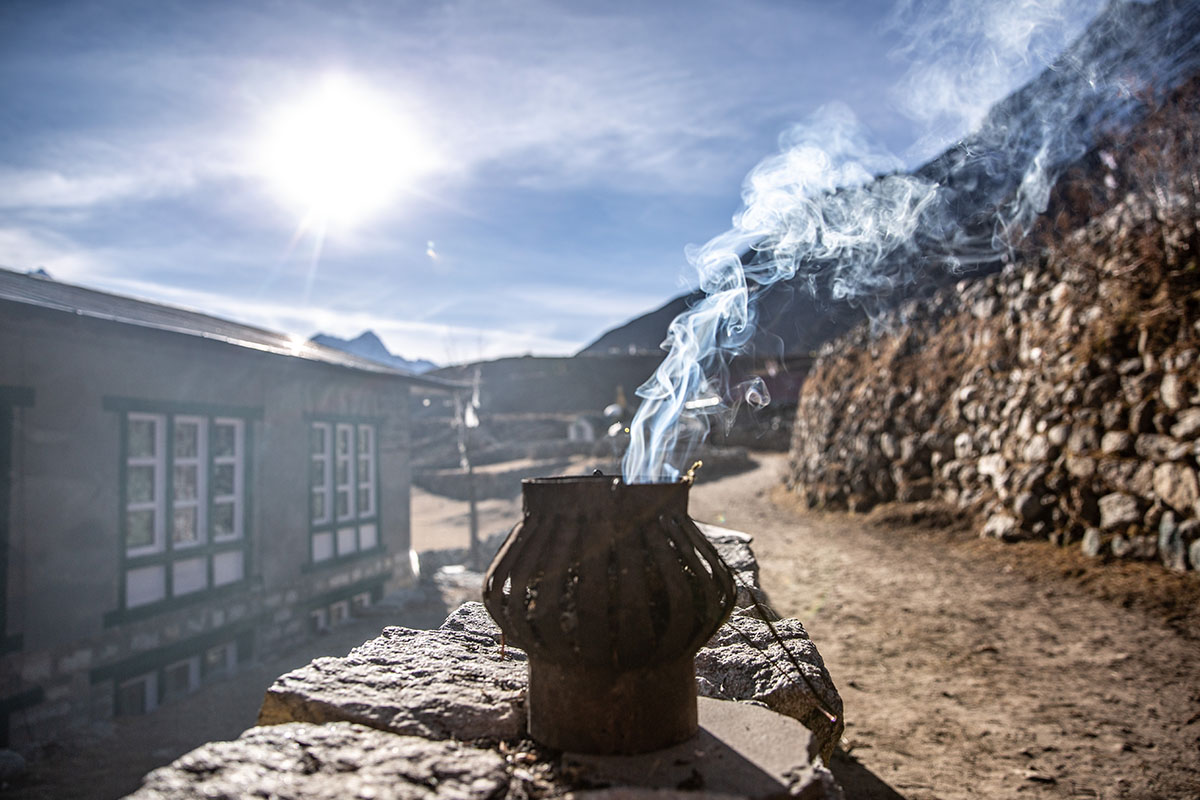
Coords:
179,493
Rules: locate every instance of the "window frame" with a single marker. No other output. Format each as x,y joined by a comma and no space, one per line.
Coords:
329,532
164,555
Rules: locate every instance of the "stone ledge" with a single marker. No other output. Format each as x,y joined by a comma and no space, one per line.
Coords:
328,762
744,661
742,752
453,684
437,684
389,720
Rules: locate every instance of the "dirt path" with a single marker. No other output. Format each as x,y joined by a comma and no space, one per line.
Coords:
975,669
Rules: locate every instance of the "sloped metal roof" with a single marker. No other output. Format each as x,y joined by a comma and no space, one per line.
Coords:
47,293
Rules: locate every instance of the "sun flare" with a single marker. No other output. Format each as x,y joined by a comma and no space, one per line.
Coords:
341,154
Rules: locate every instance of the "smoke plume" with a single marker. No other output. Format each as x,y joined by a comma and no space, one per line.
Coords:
834,213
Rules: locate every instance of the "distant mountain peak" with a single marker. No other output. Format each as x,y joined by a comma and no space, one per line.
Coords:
368,345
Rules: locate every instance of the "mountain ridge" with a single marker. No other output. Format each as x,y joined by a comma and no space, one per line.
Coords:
368,345
991,177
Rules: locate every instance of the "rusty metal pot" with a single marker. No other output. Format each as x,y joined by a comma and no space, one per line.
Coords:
610,588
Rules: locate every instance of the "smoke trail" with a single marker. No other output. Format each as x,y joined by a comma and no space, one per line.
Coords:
832,213
815,201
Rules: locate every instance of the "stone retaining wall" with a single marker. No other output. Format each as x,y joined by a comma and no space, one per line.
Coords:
1059,398
441,714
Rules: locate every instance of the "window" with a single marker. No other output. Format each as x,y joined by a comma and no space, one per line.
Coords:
344,489
182,677
183,672
137,695
184,505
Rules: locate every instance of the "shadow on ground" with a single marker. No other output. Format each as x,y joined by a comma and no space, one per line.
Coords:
858,782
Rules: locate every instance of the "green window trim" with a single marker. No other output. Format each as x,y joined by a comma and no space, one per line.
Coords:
326,525
157,662
162,560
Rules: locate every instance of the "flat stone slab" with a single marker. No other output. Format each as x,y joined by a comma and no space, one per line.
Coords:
328,762
742,750
453,683
441,684
745,661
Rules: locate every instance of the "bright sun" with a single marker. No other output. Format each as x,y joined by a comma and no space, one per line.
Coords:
341,154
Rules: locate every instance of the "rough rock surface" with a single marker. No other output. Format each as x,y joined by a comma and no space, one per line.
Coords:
744,661
336,761
452,683
734,549
438,684
396,709
1056,398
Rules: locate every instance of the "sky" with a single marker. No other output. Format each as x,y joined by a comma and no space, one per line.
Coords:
467,179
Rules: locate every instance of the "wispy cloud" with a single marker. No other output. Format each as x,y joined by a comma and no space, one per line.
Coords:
580,147
26,250
437,342
48,188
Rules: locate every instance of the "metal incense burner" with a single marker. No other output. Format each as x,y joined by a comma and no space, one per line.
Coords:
610,588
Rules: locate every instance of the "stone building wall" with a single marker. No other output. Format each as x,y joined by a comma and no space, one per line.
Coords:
73,645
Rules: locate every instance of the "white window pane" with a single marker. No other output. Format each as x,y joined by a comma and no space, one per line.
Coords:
187,482
228,567
142,437
140,485
318,472
366,440
145,585
319,439
368,537
189,576
223,480
322,546
225,521
139,528
320,510
186,526
347,540
225,439
187,438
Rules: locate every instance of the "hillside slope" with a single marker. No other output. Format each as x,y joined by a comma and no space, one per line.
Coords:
992,182
1059,398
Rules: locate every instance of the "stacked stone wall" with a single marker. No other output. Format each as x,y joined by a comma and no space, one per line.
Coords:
1058,398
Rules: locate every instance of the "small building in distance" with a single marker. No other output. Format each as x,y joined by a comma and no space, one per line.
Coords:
179,494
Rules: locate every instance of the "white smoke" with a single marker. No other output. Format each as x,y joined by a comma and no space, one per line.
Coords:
817,201
832,211
964,55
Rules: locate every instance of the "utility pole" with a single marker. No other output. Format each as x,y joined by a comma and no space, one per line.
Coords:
468,419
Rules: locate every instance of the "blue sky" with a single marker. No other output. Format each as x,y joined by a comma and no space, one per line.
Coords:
556,157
